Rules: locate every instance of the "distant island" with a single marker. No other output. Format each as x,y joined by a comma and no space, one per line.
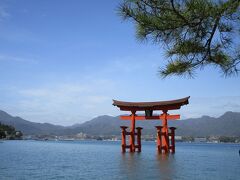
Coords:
204,129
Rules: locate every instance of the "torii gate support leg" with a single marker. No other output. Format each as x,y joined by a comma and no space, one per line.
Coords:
173,139
139,144
159,138
123,138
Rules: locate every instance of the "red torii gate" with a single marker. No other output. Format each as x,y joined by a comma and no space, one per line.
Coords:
162,131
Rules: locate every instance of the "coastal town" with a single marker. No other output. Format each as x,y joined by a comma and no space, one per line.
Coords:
8,132
85,137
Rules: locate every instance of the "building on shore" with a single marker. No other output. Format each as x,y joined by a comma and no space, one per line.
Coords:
200,139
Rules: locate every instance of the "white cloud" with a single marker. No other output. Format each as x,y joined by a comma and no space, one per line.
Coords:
128,64
65,103
3,13
17,59
211,106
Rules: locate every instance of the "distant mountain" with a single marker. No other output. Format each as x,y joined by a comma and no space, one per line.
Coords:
226,125
28,127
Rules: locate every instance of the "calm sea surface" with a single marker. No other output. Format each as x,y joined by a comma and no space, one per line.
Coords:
104,160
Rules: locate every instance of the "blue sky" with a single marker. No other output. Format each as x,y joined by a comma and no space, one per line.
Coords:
63,62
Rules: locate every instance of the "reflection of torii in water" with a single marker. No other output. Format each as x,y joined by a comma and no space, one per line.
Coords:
162,131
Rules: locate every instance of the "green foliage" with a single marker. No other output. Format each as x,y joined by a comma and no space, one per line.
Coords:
10,131
195,33
2,134
228,139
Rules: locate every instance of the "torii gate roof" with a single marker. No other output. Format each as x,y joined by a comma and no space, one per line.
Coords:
157,105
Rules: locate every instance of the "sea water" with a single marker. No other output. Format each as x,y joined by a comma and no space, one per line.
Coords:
104,160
